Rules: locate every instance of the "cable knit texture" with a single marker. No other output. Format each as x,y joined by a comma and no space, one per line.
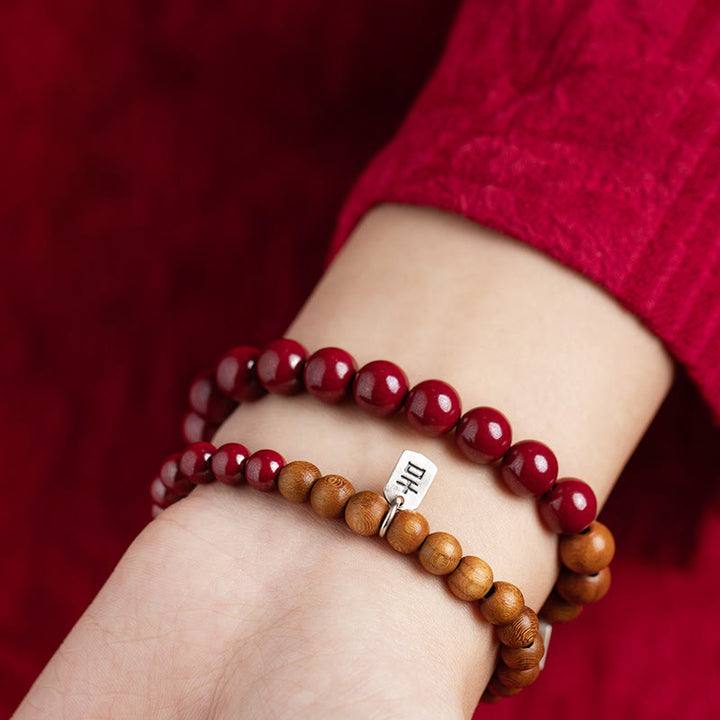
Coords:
590,130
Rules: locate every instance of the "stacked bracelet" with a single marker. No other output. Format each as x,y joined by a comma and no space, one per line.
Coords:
483,435
522,636
432,407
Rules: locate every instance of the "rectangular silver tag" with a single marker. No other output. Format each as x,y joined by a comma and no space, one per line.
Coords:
410,479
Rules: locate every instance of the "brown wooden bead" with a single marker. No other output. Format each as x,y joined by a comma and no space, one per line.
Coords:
502,604
558,610
330,494
407,531
296,479
523,658
364,512
502,691
441,553
521,632
471,579
588,552
583,589
487,698
516,678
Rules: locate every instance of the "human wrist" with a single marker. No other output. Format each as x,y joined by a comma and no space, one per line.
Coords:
615,355
496,348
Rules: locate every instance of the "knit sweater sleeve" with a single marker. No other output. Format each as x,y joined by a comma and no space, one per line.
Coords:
591,131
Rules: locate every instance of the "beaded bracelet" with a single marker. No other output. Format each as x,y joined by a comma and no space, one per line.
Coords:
522,636
483,435
381,388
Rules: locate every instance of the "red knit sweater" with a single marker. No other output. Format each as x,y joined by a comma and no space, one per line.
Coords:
590,130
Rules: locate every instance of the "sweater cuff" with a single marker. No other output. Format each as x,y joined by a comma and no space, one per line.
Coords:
612,168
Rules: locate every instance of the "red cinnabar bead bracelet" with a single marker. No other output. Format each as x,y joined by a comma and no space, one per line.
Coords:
328,374
236,374
381,388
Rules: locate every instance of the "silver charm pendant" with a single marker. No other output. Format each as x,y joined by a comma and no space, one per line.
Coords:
408,484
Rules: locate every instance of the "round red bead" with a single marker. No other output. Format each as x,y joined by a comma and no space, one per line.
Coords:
236,374
569,507
196,429
262,468
432,407
380,388
483,435
227,463
195,463
207,400
172,478
155,510
161,495
529,468
280,366
329,373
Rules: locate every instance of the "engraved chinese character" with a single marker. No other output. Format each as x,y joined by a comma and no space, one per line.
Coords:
411,474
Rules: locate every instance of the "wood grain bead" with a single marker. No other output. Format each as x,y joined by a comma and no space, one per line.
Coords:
502,604
471,579
588,552
364,512
296,479
488,698
523,658
516,678
330,494
502,691
408,531
521,632
558,610
441,553
583,589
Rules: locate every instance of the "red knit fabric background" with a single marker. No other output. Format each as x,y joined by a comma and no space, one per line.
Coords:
171,173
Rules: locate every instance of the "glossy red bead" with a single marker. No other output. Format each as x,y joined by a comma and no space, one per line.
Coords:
236,374
196,429
529,468
161,495
155,510
569,507
432,407
329,374
262,468
483,435
172,478
227,463
380,388
280,366
195,463
208,401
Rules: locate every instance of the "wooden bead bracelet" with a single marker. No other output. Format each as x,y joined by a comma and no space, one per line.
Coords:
483,435
368,513
522,636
